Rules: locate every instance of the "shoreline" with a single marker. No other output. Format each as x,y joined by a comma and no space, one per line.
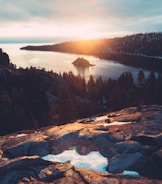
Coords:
151,63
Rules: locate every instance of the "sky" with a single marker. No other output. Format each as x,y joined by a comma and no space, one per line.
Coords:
79,18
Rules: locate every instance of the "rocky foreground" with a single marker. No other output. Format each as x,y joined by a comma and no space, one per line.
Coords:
129,139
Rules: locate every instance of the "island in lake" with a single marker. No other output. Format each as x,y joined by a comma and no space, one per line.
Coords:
81,62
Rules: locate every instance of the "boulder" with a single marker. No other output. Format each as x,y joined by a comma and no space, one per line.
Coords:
157,157
158,139
102,142
39,148
37,145
116,137
93,177
126,147
122,162
51,173
156,160
155,140
144,139
152,167
21,163
20,150
15,175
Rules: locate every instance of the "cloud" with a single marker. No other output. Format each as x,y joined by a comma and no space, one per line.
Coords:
14,10
108,15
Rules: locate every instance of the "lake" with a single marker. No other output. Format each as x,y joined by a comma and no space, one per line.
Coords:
62,62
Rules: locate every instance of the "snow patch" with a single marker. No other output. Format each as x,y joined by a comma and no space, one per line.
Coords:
21,135
18,135
134,173
115,123
92,161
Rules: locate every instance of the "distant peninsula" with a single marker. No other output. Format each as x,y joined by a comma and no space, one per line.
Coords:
139,50
81,62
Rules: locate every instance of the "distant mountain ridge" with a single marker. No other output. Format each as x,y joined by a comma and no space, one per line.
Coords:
149,44
139,50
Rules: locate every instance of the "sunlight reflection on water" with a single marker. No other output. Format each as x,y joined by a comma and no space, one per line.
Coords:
62,62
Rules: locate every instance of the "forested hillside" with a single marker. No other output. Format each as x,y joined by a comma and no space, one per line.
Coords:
149,44
31,98
139,50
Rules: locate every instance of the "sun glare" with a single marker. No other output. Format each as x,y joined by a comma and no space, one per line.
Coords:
81,31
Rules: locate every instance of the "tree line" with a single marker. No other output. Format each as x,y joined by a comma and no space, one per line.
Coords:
32,98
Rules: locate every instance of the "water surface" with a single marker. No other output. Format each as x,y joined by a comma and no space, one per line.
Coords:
62,62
